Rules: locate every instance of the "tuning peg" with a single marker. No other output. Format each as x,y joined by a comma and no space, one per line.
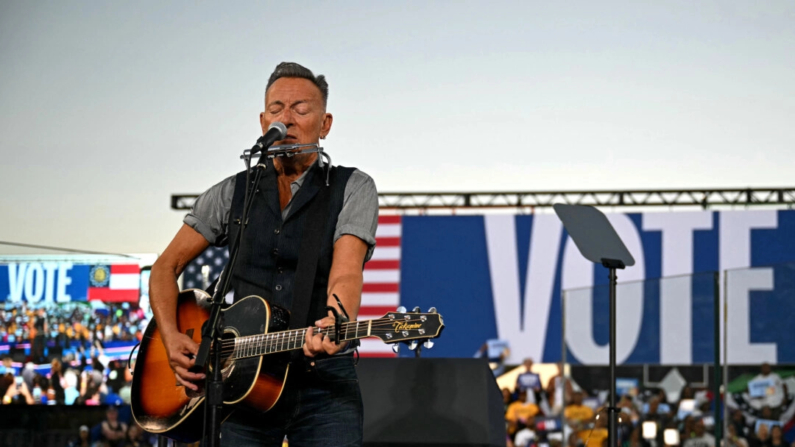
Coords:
428,344
416,309
432,310
401,309
396,348
413,345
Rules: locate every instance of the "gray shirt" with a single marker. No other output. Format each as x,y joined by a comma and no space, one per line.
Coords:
358,217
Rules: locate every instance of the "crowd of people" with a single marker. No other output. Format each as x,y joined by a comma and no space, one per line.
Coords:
58,329
561,413
72,339
90,383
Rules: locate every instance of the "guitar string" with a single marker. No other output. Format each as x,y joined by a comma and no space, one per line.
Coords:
274,340
252,347
277,338
377,325
318,331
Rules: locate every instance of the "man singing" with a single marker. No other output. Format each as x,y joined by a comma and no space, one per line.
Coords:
321,403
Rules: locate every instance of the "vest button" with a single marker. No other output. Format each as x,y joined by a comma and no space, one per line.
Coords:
277,231
275,252
278,287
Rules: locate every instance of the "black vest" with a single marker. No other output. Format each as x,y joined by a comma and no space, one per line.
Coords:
271,245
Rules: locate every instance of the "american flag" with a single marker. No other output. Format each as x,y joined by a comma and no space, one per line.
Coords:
203,270
381,291
380,294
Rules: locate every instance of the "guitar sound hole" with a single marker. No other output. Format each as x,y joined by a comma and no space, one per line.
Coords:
227,364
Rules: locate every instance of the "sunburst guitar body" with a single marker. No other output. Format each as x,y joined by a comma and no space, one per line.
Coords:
255,359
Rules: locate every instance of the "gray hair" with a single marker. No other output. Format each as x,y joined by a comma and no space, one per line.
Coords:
293,70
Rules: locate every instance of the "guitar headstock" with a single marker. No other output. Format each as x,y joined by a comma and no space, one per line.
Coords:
401,326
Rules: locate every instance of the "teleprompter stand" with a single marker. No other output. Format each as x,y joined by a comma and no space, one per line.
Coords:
598,242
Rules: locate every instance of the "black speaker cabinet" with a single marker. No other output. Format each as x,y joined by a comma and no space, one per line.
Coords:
430,402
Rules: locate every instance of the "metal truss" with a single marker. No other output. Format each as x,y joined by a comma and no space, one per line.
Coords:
703,198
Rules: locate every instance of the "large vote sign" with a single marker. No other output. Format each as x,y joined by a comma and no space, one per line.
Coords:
41,283
503,276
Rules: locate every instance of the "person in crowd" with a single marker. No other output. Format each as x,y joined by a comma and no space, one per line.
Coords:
573,440
740,426
688,427
83,438
577,414
113,431
6,380
507,398
775,397
700,437
39,390
597,435
530,382
71,392
766,413
733,439
56,380
40,339
687,393
522,411
559,391
93,397
761,438
777,437
115,375
496,351
136,437
8,366
635,438
18,393
524,437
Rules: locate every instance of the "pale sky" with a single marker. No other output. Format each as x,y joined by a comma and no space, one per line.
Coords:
107,108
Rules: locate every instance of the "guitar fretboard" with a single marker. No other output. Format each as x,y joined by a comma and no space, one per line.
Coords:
256,345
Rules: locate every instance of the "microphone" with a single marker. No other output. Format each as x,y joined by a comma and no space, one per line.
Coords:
277,131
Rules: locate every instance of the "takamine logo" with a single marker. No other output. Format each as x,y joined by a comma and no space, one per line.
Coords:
402,326
99,276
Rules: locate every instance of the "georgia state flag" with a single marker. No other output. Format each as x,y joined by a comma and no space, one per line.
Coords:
115,283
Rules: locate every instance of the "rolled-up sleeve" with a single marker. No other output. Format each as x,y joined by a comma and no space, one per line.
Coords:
359,214
210,213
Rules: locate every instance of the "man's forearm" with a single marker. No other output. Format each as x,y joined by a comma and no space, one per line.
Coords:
163,292
348,288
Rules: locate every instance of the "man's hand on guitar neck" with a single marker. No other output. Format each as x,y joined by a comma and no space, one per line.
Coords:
181,351
315,344
345,281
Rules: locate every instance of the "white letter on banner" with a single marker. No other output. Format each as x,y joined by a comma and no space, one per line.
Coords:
578,273
735,253
34,282
63,281
16,281
526,333
741,350
49,269
676,294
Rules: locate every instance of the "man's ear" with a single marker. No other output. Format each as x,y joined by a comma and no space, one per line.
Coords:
325,127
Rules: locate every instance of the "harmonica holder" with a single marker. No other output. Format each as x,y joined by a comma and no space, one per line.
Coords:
291,150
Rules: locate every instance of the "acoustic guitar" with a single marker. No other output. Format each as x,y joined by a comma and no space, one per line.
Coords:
255,359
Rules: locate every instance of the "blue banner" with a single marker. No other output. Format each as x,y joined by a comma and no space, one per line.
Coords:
503,277
43,282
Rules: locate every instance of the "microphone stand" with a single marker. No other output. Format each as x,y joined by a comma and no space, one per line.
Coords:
213,329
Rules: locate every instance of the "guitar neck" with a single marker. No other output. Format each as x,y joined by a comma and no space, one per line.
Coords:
257,345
